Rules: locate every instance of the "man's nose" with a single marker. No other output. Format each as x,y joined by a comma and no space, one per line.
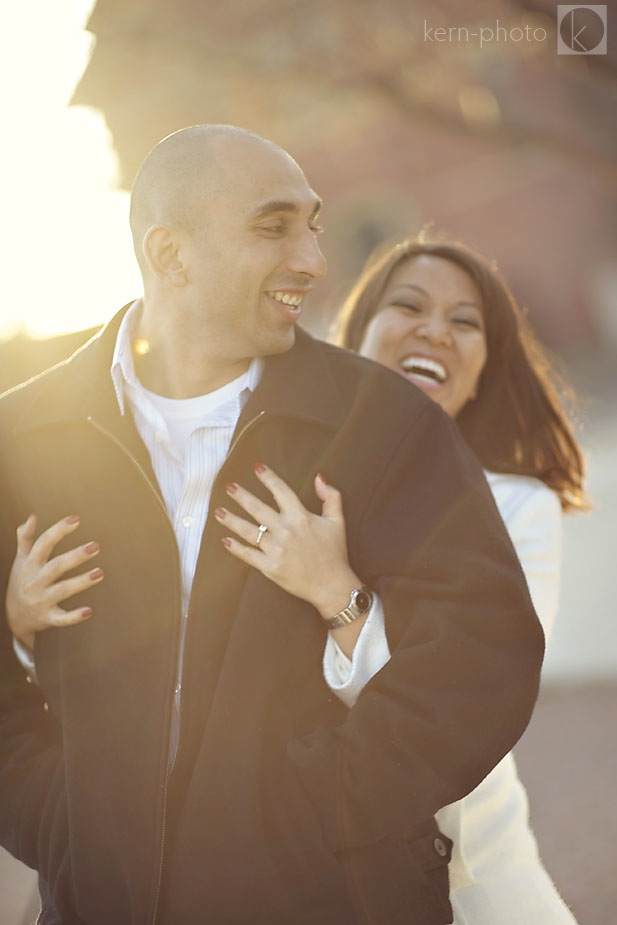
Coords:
308,258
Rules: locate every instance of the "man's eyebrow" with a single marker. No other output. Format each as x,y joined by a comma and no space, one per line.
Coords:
282,205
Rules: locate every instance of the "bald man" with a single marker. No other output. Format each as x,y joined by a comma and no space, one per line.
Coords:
218,513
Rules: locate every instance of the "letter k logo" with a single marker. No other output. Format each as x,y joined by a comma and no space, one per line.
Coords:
581,30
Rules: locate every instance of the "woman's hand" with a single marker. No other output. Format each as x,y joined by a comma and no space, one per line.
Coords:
303,553
37,584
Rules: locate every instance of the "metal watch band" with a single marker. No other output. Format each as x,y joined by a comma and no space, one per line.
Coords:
352,611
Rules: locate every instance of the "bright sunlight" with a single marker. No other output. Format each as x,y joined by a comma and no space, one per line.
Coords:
67,254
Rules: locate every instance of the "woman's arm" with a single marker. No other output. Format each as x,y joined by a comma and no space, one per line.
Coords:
533,518
532,515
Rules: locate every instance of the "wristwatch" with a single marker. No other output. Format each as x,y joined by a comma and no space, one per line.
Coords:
360,602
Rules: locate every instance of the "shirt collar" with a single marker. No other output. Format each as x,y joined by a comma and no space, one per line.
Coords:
122,365
123,373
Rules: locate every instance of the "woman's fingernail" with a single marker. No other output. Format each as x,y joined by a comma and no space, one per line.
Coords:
226,541
86,612
231,488
91,548
321,476
220,512
96,574
73,519
259,467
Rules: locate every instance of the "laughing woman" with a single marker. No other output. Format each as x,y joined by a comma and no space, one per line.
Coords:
442,317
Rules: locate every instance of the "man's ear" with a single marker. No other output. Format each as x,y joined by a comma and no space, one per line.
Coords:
161,247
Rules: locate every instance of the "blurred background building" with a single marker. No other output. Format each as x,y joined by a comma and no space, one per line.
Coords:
481,129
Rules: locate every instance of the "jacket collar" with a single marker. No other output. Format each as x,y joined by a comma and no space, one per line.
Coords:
78,387
298,383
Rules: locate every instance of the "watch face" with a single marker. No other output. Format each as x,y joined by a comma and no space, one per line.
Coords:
363,601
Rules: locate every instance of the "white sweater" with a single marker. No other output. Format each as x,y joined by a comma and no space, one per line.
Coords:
496,875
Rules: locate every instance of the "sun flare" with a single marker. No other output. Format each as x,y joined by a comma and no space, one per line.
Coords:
68,261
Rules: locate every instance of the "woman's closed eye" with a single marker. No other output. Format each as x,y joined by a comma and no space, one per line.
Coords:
406,306
467,321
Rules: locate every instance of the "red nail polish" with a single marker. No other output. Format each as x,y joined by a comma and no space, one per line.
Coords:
231,488
323,478
91,548
96,573
86,612
220,512
226,541
259,467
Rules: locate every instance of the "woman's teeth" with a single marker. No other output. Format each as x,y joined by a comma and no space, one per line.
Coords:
422,366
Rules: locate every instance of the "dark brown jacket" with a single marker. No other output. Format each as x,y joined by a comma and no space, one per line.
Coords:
284,807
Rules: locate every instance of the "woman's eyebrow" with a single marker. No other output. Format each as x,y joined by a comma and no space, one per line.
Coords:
404,286
413,286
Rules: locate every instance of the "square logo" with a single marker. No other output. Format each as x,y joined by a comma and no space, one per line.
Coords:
581,30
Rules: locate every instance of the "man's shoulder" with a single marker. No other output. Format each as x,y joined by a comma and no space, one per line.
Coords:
361,379
347,365
22,394
59,385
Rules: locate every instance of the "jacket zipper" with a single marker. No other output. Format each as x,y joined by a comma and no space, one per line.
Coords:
248,426
103,430
110,436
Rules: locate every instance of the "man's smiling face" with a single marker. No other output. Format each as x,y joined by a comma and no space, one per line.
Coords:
251,254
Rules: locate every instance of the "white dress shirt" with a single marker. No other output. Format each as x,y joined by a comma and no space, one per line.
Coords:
187,439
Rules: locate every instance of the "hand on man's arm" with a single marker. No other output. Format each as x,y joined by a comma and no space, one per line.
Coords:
302,552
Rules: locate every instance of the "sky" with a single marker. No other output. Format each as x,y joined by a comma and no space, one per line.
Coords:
67,258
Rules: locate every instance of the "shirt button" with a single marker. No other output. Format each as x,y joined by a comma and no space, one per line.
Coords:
187,521
440,847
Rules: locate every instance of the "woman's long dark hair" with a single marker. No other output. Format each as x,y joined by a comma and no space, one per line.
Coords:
516,423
